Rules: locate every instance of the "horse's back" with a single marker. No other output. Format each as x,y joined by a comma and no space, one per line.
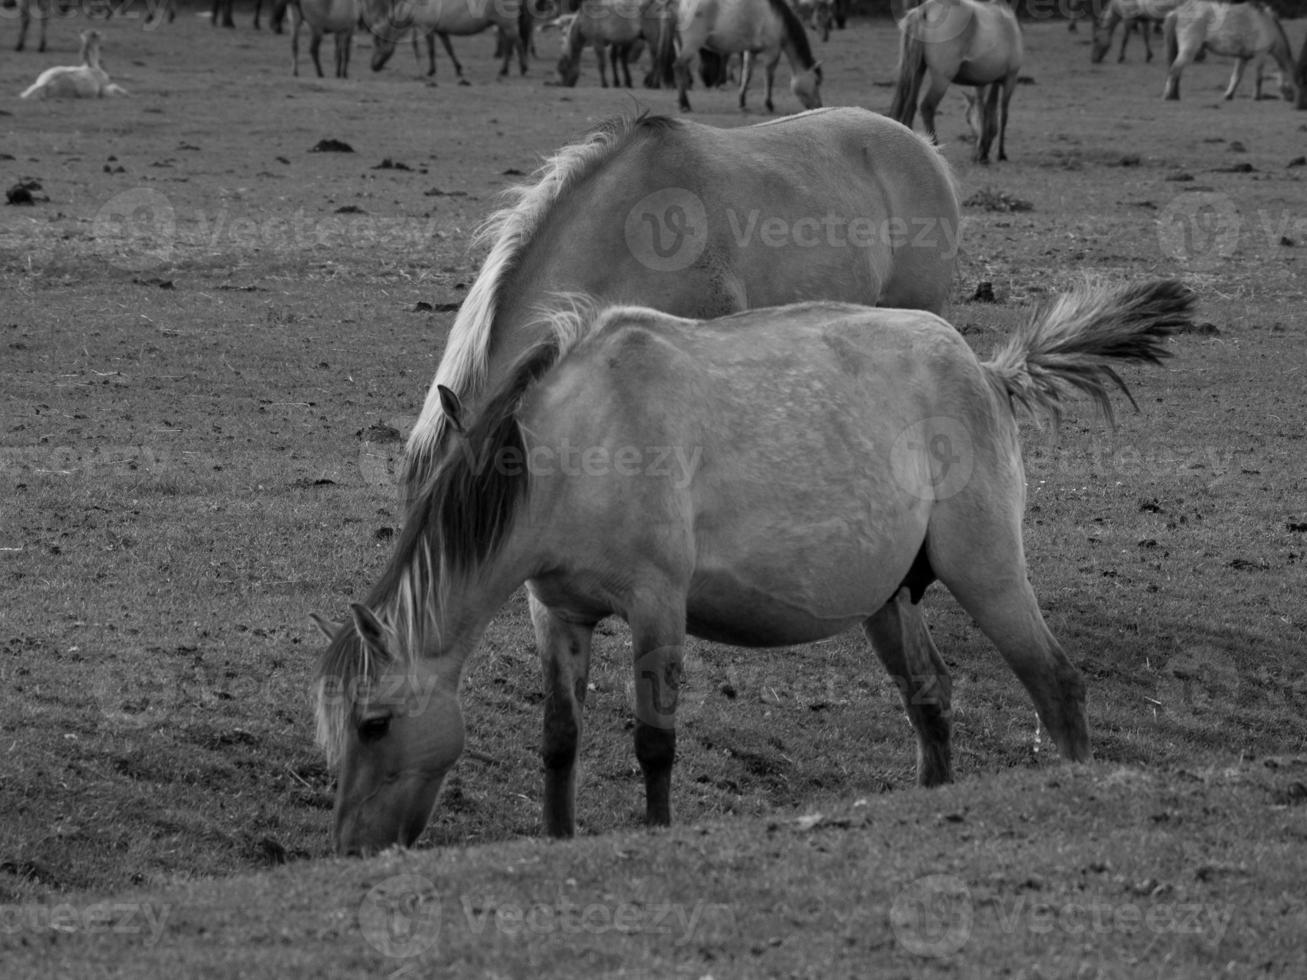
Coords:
771,451
835,183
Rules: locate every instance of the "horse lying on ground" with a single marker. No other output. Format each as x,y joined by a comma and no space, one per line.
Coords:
806,498
1242,31
85,81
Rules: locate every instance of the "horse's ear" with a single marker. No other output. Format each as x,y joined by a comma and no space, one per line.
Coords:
452,406
369,628
328,628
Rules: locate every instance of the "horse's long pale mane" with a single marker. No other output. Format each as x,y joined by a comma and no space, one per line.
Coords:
453,528
509,231
794,31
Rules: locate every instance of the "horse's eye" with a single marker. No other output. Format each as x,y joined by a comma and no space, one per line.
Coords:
372,729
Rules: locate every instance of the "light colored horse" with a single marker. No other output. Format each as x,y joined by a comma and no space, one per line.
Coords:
336,17
622,25
1144,13
768,28
1242,31
390,19
85,81
829,462
960,42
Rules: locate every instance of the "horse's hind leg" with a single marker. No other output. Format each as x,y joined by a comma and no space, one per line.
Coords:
658,635
1145,29
315,42
1236,77
930,101
974,546
453,60
899,636
564,649
1009,87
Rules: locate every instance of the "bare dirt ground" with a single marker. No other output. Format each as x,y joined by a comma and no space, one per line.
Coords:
211,337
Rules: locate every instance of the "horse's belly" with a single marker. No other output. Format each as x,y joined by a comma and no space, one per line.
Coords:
787,604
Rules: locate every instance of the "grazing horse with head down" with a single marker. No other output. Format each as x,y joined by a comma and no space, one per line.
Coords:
1145,13
389,20
806,499
682,216
1242,31
768,28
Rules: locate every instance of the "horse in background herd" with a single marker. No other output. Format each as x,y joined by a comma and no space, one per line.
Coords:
621,28
766,28
1144,13
960,42
85,81
389,20
1243,31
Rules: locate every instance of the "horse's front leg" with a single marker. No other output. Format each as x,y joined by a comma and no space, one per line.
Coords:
769,77
1126,28
681,72
746,74
1145,29
602,62
900,638
1009,87
657,638
1182,58
315,42
564,649
1236,77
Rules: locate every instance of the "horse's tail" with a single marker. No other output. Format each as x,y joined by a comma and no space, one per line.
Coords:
1071,344
1172,42
912,65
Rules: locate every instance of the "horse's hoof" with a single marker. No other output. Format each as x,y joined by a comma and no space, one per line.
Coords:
464,82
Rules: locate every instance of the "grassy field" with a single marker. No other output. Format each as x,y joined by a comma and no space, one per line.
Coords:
199,414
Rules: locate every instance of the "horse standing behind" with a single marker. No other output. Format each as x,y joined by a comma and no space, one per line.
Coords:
85,81
768,28
390,19
1242,31
1145,13
963,42
796,509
